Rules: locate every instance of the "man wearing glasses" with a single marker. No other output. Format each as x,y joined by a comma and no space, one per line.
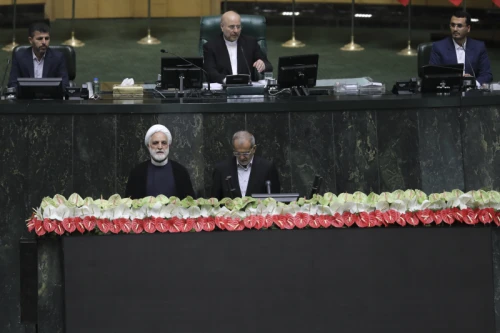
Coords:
459,49
233,53
248,172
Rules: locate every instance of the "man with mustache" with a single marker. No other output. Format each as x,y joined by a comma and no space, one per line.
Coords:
460,49
233,53
159,174
248,172
38,61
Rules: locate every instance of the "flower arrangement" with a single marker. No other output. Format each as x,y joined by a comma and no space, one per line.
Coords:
59,215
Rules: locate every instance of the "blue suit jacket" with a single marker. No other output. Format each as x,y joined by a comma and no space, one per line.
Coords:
444,53
54,65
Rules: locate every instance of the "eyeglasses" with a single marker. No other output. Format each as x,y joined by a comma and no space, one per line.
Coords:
459,25
234,27
246,153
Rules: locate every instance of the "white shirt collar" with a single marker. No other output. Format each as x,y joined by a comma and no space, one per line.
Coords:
231,44
459,47
159,163
36,58
242,167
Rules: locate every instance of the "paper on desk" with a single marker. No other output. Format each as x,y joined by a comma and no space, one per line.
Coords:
218,86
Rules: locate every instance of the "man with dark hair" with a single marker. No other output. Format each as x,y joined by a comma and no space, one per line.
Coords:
233,53
38,61
460,49
248,172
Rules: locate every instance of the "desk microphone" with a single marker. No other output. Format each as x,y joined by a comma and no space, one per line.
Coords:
4,76
268,186
246,63
208,92
230,187
470,64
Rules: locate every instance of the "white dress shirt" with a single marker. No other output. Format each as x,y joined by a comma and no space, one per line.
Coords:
232,48
244,176
38,66
460,50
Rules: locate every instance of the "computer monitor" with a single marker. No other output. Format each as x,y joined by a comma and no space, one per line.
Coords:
173,68
44,88
444,78
298,71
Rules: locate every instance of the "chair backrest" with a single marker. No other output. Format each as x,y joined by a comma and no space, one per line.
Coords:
252,25
69,57
424,56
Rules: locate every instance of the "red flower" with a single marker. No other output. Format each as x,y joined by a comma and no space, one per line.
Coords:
437,217
175,224
458,214
69,224
124,224
79,224
363,220
425,216
161,224
324,220
280,221
250,221
496,219
401,220
391,216
315,222
268,221
337,220
260,221
39,229
198,224
149,225
349,219
187,224
377,218
235,224
470,217
31,224
209,224
301,220
486,215
220,222
49,225
89,222
59,229
136,226
448,216
103,225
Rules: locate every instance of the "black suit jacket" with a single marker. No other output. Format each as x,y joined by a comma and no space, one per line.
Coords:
137,180
54,65
218,65
261,171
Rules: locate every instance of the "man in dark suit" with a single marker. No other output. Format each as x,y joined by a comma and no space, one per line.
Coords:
232,53
159,175
38,61
248,172
459,49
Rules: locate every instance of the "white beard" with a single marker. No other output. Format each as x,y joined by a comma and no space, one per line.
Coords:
158,156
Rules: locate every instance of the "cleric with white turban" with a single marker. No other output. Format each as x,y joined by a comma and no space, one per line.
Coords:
159,174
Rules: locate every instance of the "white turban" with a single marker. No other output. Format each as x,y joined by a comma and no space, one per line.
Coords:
155,129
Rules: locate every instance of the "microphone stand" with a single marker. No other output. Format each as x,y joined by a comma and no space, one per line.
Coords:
230,187
207,92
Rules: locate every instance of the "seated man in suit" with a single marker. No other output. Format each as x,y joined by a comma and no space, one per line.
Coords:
459,49
159,175
38,61
232,53
248,172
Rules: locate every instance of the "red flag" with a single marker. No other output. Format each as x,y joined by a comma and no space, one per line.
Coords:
497,2
456,2
406,2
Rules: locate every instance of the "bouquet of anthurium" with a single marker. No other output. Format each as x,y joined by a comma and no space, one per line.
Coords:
60,216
